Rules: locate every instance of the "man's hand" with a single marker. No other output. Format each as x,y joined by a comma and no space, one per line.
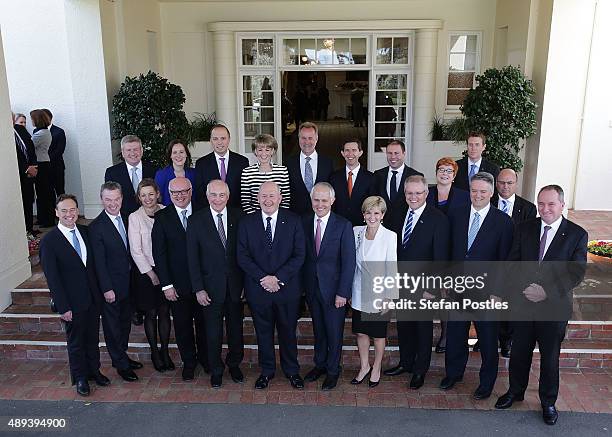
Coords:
153,277
67,316
495,298
109,296
171,295
340,301
428,296
534,293
32,171
270,283
203,298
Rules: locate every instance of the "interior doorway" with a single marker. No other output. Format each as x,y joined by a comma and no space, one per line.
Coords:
337,101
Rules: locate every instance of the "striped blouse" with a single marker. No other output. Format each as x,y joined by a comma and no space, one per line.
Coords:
251,180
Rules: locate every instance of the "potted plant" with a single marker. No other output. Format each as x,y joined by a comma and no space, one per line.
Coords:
33,249
199,133
600,250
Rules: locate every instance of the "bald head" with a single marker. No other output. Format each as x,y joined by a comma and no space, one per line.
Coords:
506,183
180,191
269,197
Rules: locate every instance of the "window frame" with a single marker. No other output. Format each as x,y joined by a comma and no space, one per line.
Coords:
477,69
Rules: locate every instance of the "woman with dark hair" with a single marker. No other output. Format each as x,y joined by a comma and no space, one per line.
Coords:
178,158
41,137
149,295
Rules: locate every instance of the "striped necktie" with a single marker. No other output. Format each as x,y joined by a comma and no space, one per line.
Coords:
221,229
76,244
505,206
408,229
473,230
308,177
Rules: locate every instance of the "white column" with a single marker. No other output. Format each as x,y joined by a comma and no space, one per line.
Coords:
425,62
224,60
14,264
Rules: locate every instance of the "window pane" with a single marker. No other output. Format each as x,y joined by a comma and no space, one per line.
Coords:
247,99
251,115
290,48
390,130
265,55
456,97
383,50
326,52
391,81
358,50
267,128
343,53
308,50
386,113
460,80
458,43
471,43
400,50
267,98
250,129
462,61
249,51
267,114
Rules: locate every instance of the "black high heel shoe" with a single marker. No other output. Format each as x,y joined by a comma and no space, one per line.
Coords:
158,363
439,348
372,384
356,381
168,364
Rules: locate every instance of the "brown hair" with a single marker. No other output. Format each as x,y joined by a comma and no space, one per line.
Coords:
352,140
63,197
173,143
264,140
399,143
40,119
309,125
146,182
477,134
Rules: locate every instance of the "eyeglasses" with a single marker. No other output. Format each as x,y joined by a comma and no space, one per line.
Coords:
446,170
180,193
506,183
415,193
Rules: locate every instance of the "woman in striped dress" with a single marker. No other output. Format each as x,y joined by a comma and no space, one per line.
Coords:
264,147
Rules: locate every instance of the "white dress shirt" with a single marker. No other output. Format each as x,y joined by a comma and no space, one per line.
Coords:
554,227
223,219
313,164
218,159
323,224
355,171
398,179
509,201
482,213
138,171
415,218
68,234
274,216
113,219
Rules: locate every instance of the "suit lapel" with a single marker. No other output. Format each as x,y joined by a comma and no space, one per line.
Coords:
69,247
557,241
126,178
214,168
329,228
115,232
213,230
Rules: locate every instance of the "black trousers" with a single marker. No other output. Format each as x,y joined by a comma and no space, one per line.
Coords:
187,313
328,327
415,340
82,335
213,320
27,198
283,317
57,178
549,336
457,351
45,200
117,323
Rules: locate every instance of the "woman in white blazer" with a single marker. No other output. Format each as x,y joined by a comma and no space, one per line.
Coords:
376,257
149,298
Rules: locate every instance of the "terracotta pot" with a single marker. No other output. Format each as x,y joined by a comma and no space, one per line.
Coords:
34,259
591,257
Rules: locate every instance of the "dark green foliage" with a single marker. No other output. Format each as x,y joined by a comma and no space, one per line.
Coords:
201,126
438,129
152,108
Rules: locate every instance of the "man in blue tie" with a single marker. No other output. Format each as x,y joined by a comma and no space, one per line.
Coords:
113,261
474,162
67,261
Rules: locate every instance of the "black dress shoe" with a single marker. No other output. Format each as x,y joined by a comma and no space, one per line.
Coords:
168,364
447,383
507,399
440,349
134,364
505,349
481,393
188,373
137,318
236,375
158,363
262,382
476,347
82,387
330,382
417,381
296,381
550,415
100,379
314,374
397,370
216,381
127,375
356,381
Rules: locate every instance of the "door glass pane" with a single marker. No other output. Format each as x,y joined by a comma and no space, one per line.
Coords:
249,51
390,130
385,113
290,48
265,54
358,50
247,99
251,115
267,114
383,50
400,50
391,81
308,51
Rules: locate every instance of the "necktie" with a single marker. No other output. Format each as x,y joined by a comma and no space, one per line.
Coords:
393,186
121,230
269,231
308,179
184,218
76,244
318,237
543,243
221,229
135,180
408,229
222,170
350,183
504,206
22,146
472,171
473,230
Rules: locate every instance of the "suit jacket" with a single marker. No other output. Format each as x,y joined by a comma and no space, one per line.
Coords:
24,160
379,186
119,173
456,198
284,260
350,207
555,274
212,267
170,251
522,210
332,270
73,285
207,170
113,261
57,147
462,181
300,197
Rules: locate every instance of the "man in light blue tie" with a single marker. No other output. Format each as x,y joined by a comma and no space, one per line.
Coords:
474,161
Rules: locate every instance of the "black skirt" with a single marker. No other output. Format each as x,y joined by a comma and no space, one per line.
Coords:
371,328
146,295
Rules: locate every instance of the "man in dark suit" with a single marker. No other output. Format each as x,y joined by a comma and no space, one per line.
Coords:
216,278
222,164
478,233
110,245
56,155
169,237
271,252
327,276
388,181
351,183
474,162
307,168
26,162
128,174
423,236
547,242
67,260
